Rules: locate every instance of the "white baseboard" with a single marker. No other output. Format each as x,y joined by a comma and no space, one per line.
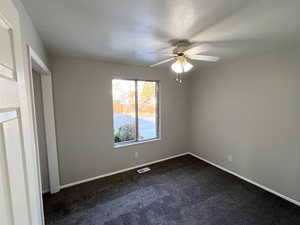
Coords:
121,171
182,154
248,180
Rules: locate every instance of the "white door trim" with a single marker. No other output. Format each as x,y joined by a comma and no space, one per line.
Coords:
36,63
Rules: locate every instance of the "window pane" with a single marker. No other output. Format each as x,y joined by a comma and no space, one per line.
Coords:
124,110
147,110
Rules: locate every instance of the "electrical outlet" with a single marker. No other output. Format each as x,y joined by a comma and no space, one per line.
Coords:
229,158
136,155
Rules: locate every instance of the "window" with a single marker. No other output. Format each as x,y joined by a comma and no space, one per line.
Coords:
135,110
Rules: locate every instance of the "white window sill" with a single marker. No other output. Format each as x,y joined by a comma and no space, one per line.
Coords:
135,143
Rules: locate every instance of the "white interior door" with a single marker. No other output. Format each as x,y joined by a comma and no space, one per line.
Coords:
15,199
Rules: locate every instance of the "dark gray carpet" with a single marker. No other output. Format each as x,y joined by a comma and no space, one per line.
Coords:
181,191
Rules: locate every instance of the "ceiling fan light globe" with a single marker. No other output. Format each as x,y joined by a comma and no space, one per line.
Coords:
177,67
181,66
187,66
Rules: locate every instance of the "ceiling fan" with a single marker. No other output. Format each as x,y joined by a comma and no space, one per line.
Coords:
182,51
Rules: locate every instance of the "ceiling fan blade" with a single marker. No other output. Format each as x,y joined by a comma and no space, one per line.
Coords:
206,58
163,61
167,54
200,48
165,50
163,54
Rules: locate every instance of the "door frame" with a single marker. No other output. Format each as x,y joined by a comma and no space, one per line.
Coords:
36,63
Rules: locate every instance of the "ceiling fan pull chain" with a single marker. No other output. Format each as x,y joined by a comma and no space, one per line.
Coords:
179,78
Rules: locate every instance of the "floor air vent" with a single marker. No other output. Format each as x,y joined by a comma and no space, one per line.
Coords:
143,170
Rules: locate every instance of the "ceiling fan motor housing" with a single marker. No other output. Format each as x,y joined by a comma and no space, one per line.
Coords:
181,46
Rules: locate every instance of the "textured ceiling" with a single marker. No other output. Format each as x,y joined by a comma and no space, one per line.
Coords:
132,31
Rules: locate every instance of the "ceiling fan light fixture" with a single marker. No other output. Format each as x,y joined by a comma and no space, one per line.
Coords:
181,66
187,66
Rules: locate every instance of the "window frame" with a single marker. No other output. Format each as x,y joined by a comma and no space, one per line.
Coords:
157,94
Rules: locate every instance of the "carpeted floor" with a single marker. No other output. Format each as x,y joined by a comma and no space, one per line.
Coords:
181,191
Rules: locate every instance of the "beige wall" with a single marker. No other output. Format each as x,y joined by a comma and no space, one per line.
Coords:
83,110
250,109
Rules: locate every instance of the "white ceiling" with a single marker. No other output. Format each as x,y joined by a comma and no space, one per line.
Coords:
131,31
